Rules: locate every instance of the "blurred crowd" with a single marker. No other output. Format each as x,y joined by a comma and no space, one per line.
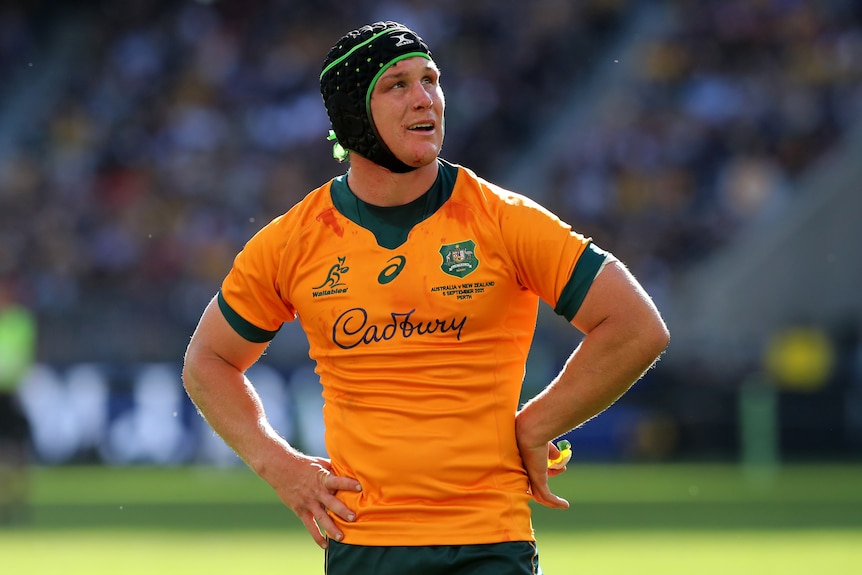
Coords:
182,127
734,101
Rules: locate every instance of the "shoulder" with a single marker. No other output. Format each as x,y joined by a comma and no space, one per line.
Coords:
495,199
313,208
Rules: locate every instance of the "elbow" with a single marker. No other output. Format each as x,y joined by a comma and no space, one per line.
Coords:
194,380
186,376
189,371
662,335
656,338
189,385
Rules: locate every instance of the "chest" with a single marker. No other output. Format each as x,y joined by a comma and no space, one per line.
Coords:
448,272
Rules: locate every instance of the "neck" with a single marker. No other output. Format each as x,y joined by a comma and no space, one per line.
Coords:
378,186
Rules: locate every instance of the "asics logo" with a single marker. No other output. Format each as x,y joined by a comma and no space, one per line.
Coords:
391,271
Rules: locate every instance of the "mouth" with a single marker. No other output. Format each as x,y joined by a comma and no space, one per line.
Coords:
421,127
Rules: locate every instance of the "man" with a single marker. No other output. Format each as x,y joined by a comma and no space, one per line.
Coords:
417,284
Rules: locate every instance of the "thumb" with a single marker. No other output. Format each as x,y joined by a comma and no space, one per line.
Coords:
543,495
538,476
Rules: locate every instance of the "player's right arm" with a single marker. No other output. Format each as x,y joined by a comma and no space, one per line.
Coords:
214,377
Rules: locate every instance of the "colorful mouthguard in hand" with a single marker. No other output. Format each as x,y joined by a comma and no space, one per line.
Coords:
563,458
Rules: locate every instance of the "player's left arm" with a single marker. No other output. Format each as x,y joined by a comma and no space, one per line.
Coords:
624,336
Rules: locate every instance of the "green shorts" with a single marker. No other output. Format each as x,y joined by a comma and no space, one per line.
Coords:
511,558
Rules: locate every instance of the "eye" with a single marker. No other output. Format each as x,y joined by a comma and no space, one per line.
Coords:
390,84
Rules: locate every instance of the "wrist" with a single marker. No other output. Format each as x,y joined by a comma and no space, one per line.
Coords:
269,457
527,432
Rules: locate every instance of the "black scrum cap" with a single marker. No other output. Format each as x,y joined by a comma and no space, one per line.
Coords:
350,71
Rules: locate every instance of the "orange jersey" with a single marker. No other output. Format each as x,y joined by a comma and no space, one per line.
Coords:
419,319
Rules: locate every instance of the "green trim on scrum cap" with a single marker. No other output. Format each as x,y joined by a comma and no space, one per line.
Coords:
382,70
347,54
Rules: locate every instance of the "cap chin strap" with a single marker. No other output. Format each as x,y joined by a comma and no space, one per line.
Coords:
382,157
387,159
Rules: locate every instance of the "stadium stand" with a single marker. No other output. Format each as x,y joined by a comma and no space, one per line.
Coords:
141,143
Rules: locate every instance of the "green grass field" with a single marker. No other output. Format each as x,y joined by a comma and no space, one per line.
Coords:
664,519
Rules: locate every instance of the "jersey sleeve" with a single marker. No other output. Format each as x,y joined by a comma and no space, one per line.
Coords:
552,260
251,297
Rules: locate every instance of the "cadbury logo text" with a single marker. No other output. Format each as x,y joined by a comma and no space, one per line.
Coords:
352,328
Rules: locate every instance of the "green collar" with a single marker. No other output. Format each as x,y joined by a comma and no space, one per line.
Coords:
391,225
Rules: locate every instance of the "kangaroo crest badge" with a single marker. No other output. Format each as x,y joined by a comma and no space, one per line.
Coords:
459,259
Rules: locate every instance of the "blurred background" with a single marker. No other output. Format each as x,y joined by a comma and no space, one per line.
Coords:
713,145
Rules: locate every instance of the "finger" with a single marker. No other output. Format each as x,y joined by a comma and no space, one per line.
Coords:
332,484
311,526
328,526
548,499
339,483
336,506
542,491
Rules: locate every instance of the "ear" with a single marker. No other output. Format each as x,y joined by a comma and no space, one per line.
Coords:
346,121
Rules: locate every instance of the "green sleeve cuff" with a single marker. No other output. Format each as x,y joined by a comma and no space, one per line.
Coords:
579,284
243,327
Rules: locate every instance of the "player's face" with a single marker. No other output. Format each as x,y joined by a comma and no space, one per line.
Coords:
407,108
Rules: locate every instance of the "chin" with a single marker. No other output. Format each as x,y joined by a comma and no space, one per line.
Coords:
422,163
424,157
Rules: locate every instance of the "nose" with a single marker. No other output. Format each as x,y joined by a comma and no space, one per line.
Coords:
424,98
